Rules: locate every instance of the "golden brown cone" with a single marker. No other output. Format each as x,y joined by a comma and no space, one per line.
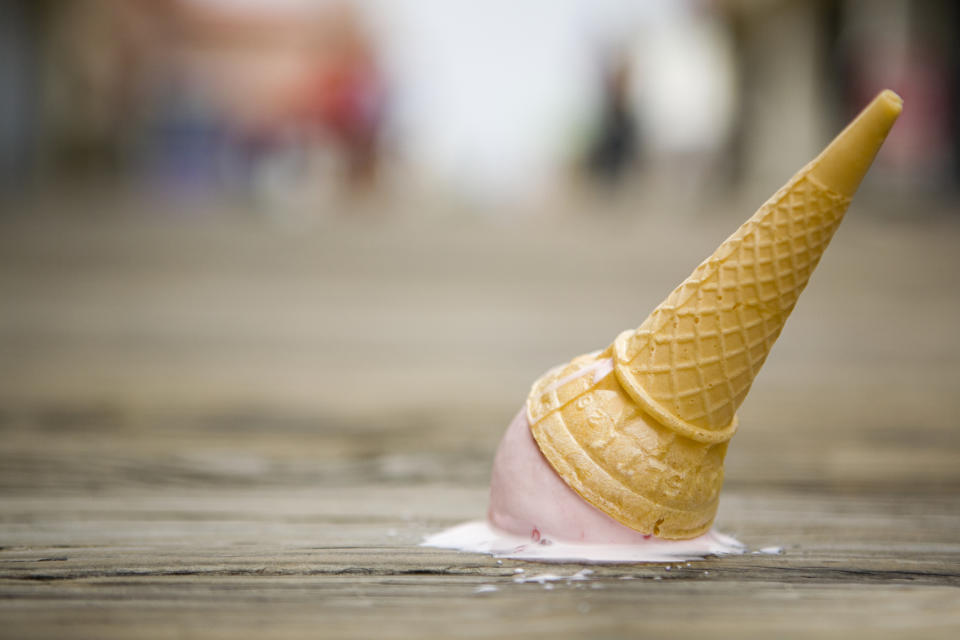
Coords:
693,360
640,430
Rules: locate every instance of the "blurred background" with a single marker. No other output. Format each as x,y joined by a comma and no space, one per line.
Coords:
291,106
332,241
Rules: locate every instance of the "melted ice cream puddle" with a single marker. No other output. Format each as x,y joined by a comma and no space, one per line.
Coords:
480,537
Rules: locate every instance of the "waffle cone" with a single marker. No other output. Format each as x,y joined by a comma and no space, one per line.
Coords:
640,430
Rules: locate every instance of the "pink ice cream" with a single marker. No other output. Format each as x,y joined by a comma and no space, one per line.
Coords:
534,515
529,499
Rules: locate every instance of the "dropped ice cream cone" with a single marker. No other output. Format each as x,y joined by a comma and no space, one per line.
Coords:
640,430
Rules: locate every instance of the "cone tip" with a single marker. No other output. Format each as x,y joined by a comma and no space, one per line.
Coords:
892,101
843,164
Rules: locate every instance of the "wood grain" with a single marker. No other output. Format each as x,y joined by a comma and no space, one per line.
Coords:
221,429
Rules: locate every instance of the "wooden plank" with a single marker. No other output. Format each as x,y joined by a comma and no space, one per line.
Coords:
226,432
162,562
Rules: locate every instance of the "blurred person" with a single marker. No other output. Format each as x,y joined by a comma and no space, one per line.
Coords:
614,147
97,59
912,47
19,66
318,138
343,94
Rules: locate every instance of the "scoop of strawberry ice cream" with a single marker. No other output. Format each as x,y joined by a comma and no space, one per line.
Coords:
528,498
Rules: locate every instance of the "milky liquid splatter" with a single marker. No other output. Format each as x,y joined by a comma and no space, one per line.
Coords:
479,536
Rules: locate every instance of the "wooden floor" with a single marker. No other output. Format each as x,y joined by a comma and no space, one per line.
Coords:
222,428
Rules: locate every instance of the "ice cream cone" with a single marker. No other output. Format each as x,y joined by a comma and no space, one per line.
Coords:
640,430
